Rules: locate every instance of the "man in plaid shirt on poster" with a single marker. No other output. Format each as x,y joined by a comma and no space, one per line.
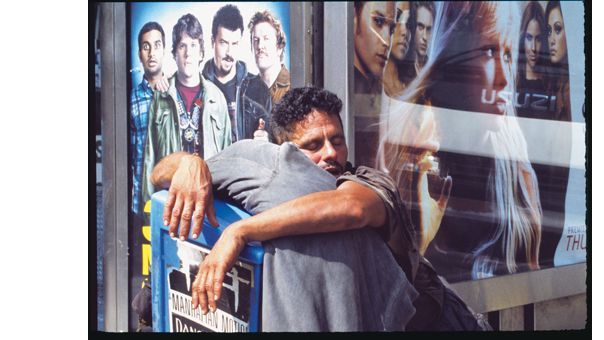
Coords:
151,42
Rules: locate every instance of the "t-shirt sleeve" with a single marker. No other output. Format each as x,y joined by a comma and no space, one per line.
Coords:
384,187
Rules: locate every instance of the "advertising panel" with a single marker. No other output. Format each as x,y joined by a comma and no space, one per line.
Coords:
476,110
202,76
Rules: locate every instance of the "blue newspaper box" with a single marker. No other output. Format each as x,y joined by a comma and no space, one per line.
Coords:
174,267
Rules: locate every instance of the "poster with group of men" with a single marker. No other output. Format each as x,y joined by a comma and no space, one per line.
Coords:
491,96
202,76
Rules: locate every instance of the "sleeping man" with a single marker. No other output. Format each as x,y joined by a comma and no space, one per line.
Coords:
340,250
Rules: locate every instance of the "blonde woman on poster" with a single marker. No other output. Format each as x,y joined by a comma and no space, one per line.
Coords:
492,222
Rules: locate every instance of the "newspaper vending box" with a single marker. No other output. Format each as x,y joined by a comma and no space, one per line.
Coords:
175,264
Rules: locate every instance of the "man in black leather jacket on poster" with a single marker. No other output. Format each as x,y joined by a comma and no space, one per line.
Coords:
247,96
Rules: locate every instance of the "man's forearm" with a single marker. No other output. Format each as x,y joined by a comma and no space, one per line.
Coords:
320,212
164,170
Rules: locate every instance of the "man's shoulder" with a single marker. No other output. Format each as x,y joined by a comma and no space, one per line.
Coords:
211,91
248,149
255,86
214,100
134,94
283,78
363,170
142,85
208,70
250,77
142,89
252,87
369,176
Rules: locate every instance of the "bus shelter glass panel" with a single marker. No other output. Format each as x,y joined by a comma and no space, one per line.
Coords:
476,109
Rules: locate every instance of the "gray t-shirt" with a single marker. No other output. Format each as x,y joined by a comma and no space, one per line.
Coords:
340,281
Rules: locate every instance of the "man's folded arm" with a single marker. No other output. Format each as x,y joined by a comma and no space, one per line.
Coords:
350,206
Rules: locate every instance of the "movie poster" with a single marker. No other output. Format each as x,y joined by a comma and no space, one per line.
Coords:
202,76
476,110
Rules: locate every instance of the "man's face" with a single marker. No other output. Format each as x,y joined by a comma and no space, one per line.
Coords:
151,53
401,37
264,46
321,138
423,31
373,27
188,56
226,49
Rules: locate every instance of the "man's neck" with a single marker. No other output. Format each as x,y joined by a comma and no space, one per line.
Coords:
420,61
153,79
225,77
364,71
270,75
188,81
360,67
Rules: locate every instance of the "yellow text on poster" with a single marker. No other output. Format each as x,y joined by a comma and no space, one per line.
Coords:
146,251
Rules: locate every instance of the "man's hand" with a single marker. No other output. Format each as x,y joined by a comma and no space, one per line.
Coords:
260,133
190,197
431,211
207,287
162,85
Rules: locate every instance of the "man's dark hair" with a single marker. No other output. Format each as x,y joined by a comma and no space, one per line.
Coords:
228,17
551,5
358,6
429,5
150,26
296,105
189,24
